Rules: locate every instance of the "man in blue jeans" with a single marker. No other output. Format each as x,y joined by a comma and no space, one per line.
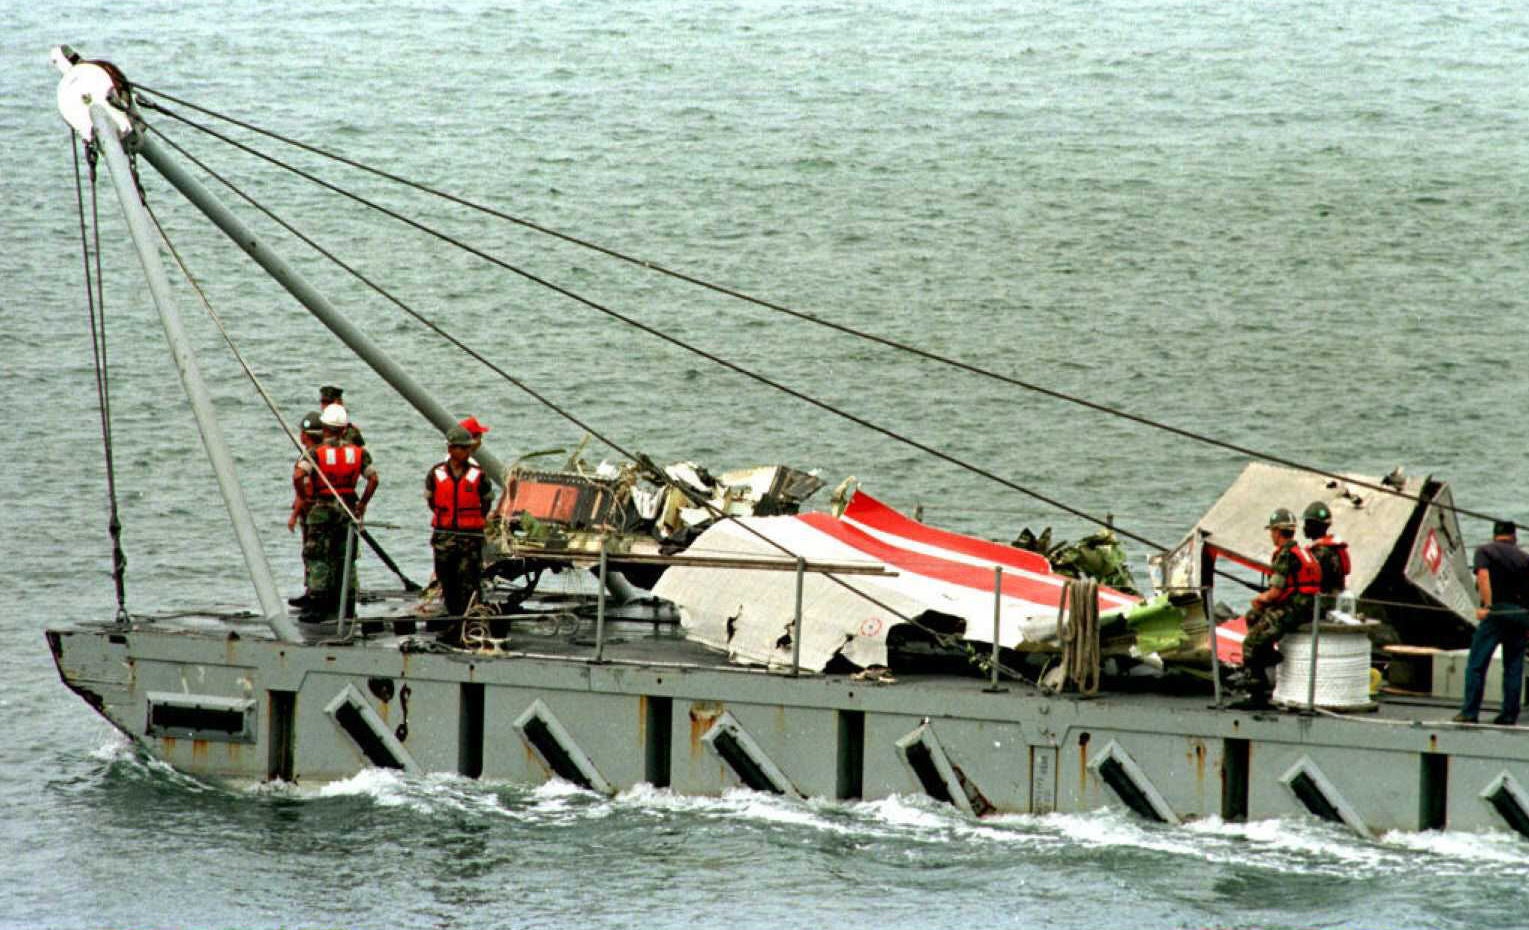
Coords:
1502,580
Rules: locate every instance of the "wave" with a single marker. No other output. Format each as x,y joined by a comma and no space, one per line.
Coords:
1290,845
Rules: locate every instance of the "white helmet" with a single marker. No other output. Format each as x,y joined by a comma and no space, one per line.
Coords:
334,416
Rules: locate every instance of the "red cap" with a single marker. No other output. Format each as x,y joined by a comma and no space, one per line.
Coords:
472,425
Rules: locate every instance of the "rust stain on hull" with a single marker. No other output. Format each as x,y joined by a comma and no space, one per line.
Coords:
703,716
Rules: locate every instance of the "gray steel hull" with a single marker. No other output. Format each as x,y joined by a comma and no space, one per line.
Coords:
243,707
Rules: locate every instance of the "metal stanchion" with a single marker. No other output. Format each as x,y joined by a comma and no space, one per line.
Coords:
796,622
345,569
994,687
600,609
1208,596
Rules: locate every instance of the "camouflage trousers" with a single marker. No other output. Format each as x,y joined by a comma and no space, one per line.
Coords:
324,535
458,567
1266,627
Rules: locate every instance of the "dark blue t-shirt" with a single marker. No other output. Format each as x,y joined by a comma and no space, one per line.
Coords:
1508,567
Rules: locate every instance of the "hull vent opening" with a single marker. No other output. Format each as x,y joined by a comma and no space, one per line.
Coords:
1433,791
738,750
359,721
201,716
1123,776
562,756
658,741
281,735
938,776
1236,758
1511,802
1320,798
470,729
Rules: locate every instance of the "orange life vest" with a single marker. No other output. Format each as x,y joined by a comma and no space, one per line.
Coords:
1307,581
1340,547
341,464
458,502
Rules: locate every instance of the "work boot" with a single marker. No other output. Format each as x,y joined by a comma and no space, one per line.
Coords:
300,601
1239,680
1463,718
1503,720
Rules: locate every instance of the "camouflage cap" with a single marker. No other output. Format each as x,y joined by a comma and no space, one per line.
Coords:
458,436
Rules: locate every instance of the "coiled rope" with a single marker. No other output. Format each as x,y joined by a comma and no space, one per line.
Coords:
1077,625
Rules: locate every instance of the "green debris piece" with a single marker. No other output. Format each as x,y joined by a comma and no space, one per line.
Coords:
1099,556
1158,625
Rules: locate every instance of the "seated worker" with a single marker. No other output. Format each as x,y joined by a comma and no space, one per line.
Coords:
1330,552
1285,604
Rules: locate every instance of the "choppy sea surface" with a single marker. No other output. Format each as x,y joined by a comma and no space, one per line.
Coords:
1299,227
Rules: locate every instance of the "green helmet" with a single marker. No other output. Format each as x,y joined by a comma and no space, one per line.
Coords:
1281,518
1318,512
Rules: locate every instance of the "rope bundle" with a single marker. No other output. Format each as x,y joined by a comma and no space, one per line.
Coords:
1077,624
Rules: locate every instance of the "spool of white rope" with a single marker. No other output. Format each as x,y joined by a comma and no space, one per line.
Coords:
1343,668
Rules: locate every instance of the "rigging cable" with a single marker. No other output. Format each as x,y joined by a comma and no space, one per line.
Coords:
270,403
95,299
657,474
797,314
660,334
1107,523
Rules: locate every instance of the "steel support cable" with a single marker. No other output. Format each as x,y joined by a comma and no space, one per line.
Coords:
800,314
308,176
270,403
660,334
249,372
533,393
95,297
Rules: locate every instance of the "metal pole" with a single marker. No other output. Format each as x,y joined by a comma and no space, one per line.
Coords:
106,137
345,569
1316,637
1208,594
796,622
994,687
298,286
600,609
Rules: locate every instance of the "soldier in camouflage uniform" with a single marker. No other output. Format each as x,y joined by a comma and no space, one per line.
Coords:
1281,607
460,499
329,395
335,467
302,498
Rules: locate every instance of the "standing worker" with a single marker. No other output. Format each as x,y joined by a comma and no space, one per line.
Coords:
1330,552
1294,579
329,395
312,433
459,497
1502,580
336,468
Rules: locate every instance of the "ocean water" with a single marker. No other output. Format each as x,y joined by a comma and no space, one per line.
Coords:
1299,227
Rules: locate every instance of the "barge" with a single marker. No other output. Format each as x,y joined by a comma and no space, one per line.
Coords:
605,689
